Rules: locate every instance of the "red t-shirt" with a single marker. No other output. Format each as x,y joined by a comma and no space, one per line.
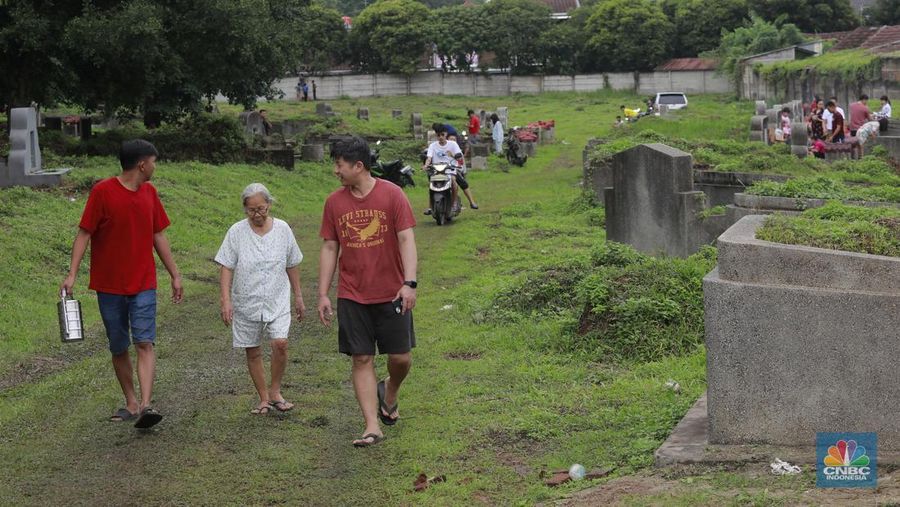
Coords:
474,125
122,224
370,267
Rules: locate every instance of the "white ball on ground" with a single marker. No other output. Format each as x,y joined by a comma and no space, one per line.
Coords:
577,472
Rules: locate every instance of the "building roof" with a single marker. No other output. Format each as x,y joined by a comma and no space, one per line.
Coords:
875,38
677,64
562,6
799,48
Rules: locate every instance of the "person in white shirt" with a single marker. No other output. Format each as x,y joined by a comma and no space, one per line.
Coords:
884,115
497,133
447,152
259,269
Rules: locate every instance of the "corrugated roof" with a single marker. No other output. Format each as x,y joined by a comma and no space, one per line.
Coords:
876,38
676,64
561,6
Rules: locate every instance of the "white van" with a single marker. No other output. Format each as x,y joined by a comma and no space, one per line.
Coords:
674,100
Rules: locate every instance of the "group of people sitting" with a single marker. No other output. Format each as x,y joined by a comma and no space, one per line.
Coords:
830,130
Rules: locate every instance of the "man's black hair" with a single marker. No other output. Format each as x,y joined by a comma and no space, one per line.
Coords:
352,149
439,128
261,111
470,112
135,150
495,118
863,97
830,103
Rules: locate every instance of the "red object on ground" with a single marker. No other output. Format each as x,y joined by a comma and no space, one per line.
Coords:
526,136
544,124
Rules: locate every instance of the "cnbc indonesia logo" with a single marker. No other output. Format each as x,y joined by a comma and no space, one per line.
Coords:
846,461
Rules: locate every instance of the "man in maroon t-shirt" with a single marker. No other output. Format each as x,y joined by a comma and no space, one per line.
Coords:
859,114
123,221
368,225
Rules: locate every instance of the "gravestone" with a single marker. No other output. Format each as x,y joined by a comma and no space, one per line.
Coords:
85,127
760,107
432,136
529,148
481,150
800,340
772,115
396,113
53,122
291,128
503,114
324,109
415,121
759,128
312,152
24,164
252,122
362,113
479,162
483,117
798,139
653,206
663,110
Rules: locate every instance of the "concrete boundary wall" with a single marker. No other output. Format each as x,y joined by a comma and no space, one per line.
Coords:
494,85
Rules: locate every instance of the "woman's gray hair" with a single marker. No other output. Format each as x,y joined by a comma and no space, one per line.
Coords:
253,189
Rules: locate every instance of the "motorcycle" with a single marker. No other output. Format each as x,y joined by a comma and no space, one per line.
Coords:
515,152
440,193
394,171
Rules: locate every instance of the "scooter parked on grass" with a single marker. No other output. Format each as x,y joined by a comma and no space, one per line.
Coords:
394,171
515,152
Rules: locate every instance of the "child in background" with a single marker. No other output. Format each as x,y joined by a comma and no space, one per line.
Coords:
785,124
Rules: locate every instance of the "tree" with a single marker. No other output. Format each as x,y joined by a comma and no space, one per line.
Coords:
157,56
391,36
516,26
625,35
882,12
560,48
809,15
758,36
457,48
699,23
320,37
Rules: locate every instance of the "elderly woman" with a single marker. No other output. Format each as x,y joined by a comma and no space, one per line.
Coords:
259,259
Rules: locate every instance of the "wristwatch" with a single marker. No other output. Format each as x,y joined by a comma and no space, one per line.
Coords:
411,284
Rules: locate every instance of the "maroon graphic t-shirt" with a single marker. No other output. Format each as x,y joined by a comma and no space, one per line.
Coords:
370,268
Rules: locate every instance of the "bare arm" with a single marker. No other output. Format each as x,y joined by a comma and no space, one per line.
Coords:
409,258
328,259
226,276
294,277
82,238
164,251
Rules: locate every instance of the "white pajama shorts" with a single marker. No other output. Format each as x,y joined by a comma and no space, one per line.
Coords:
248,333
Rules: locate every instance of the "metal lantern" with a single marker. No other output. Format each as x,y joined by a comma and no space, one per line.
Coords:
71,325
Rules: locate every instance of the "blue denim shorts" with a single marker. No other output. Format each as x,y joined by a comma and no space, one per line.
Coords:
133,315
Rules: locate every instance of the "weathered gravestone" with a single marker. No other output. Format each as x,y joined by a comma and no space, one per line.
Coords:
324,109
312,152
653,206
396,113
53,122
760,107
415,120
23,167
503,114
362,113
252,122
529,148
798,139
759,128
481,150
479,162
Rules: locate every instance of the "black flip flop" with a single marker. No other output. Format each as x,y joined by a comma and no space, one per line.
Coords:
148,418
123,415
382,407
375,440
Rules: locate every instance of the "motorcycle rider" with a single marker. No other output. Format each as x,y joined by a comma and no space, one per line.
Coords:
444,151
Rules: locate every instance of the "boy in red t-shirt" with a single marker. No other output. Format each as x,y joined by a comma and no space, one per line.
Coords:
368,225
123,221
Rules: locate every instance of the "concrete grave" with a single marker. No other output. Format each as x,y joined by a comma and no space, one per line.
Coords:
362,113
760,107
799,138
481,150
396,113
24,165
324,109
529,148
503,114
252,122
652,204
312,152
479,162
800,340
759,128
53,122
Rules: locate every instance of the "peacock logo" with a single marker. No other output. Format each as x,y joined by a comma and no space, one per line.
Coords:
846,453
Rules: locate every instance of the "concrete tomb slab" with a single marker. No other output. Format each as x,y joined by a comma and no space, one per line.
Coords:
24,165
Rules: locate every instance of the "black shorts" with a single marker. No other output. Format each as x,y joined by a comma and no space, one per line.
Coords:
362,327
461,181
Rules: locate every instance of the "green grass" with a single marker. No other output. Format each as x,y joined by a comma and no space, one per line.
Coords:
825,187
838,227
491,402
